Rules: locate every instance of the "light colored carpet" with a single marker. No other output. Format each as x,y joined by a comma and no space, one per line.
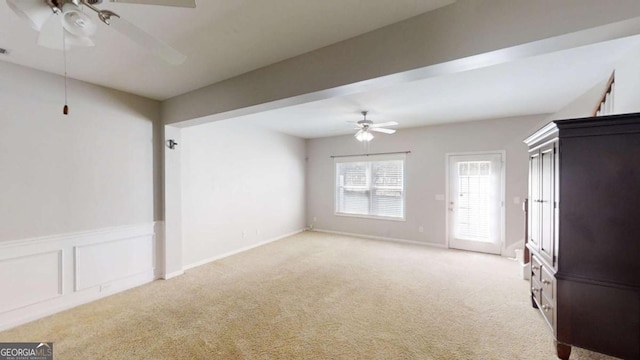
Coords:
314,296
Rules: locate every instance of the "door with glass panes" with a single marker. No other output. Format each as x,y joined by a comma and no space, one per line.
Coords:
475,202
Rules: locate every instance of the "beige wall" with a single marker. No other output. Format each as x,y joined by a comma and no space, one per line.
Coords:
240,186
627,92
425,176
583,105
91,169
626,99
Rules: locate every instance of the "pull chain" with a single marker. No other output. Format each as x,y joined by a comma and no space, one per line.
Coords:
65,109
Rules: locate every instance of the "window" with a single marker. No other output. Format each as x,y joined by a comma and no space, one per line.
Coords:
368,187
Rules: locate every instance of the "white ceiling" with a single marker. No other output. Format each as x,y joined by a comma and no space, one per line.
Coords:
221,38
535,85
225,38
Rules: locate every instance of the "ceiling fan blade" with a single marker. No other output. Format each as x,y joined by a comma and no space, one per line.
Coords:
358,132
148,41
385,124
177,3
382,130
35,12
51,33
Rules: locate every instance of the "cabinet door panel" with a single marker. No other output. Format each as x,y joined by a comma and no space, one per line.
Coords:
547,233
534,203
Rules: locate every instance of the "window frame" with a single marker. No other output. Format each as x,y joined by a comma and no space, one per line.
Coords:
370,184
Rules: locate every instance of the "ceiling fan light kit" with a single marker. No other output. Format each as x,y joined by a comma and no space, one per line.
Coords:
58,19
76,22
364,136
54,35
366,127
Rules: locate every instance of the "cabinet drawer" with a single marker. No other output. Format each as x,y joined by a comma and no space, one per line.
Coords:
536,267
547,280
547,308
536,291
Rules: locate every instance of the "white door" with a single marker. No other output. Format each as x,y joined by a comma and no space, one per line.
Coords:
475,202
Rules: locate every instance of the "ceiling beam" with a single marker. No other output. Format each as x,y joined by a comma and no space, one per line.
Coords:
466,35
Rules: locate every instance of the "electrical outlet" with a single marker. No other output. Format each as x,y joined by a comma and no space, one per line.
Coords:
315,219
244,234
105,287
420,229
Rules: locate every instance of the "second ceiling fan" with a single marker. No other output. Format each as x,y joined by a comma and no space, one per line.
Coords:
365,127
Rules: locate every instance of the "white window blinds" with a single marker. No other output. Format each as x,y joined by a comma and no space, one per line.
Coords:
370,187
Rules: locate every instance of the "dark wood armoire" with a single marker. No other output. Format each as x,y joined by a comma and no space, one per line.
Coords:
584,232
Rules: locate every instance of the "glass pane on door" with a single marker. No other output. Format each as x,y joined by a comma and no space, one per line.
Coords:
473,195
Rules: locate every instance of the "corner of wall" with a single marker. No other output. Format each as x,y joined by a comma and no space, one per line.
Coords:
627,83
583,105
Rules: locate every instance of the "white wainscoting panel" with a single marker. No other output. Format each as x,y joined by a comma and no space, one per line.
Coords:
40,279
42,276
101,263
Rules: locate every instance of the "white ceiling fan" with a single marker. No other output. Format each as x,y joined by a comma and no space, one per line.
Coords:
62,24
365,127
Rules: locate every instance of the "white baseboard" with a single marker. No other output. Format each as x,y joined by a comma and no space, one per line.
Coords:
412,242
237,251
525,270
172,275
509,251
45,275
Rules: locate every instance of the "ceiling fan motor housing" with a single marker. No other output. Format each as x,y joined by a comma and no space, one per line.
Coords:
365,123
59,3
55,4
